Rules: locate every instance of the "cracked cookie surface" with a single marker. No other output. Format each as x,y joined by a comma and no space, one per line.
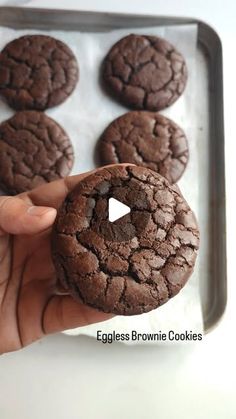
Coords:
146,139
152,262
34,149
145,72
37,72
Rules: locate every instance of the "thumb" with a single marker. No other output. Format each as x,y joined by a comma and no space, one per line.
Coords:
18,217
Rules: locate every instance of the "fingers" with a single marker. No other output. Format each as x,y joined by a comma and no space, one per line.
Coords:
52,194
19,217
63,312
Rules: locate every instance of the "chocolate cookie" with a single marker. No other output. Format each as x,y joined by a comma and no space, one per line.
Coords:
34,149
145,72
146,139
139,261
37,72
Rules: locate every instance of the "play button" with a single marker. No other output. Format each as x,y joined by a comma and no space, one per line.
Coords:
116,210
119,209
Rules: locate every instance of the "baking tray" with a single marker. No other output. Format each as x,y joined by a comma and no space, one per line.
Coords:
213,287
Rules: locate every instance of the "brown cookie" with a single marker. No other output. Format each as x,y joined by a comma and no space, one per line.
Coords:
34,149
136,263
145,72
37,72
146,139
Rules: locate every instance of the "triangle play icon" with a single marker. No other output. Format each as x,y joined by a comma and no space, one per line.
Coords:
116,209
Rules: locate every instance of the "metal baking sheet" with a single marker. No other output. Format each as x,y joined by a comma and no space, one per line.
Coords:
213,287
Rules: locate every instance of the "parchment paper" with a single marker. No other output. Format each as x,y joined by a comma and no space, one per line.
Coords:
86,114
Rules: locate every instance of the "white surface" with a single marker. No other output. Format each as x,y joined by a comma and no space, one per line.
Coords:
62,378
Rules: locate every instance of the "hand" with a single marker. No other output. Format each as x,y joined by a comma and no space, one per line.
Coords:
30,304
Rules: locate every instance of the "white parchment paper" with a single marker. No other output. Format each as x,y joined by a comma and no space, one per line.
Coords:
86,114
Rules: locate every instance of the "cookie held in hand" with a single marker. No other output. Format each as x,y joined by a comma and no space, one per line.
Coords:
139,261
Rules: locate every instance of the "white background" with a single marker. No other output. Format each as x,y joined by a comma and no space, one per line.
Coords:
63,377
